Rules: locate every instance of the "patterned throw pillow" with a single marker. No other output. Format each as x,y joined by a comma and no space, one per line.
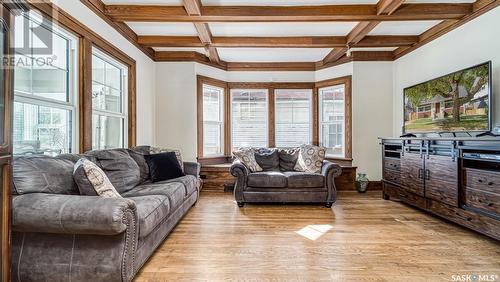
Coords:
247,157
96,177
310,159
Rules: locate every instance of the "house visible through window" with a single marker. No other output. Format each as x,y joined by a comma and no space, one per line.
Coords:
293,117
213,120
109,107
249,117
45,92
332,119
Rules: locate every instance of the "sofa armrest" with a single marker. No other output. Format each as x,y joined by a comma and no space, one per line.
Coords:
330,170
192,168
240,171
72,214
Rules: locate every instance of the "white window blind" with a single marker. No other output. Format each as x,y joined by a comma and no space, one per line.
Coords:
213,120
293,117
249,117
109,102
45,93
332,119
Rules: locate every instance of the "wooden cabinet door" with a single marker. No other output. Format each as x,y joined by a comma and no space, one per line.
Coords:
441,179
412,172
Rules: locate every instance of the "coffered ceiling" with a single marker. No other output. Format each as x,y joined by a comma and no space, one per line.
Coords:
284,34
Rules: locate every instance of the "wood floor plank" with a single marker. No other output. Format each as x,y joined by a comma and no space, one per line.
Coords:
362,238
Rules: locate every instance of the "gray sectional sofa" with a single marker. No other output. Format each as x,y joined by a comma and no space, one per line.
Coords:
279,183
59,235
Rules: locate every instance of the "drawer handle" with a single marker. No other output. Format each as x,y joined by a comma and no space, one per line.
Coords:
490,183
490,204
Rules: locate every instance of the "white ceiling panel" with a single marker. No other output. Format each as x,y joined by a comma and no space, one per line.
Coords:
272,54
173,29
282,29
374,49
283,2
199,50
144,2
402,28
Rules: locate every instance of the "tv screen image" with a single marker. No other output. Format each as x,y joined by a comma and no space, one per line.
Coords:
459,101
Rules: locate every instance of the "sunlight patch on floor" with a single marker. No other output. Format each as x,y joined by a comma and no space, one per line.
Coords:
313,232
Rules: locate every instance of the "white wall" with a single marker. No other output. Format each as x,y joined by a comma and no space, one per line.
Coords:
145,66
475,42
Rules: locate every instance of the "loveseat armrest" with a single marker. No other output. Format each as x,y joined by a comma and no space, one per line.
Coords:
331,168
240,171
72,214
192,168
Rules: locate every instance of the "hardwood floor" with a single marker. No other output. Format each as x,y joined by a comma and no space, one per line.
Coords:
362,238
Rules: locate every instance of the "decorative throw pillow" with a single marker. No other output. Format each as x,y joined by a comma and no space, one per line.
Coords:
92,180
178,155
310,159
288,158
268,159
163,166
247,157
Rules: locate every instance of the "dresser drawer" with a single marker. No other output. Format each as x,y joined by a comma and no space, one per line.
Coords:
488,181
486,201
392,164
392,176
405,196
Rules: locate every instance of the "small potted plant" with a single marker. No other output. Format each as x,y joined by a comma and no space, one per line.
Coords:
362,182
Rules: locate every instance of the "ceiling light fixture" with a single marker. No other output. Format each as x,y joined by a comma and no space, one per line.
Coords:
349,52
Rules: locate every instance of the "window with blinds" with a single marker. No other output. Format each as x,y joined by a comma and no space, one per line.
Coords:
332,119
293,125
213,120
249,117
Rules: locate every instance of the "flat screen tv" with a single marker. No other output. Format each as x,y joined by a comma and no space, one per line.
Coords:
456,102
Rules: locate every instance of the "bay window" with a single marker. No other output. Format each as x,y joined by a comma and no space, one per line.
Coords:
332,119
45,91
213,120
109,106
249,122
293,117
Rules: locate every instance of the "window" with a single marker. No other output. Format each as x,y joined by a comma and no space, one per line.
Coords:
332,119
213,120
249,117
109,106
45,92
293,125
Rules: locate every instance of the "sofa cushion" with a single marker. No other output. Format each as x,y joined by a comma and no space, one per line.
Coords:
190,183
151,211
297,179
174,191
268,159
288,158
43,174
138,157
271,179
119,166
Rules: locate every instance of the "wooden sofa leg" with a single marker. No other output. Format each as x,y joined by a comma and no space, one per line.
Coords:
328,205
241,204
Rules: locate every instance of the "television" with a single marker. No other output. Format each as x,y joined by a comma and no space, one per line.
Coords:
456,102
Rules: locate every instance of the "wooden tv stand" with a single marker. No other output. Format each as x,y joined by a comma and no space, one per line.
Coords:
455,178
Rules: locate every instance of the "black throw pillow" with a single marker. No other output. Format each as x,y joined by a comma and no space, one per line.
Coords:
163,166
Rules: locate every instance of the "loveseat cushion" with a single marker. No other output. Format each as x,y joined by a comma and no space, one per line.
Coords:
268,179
268,159
43,174
174,191
304,180
119,166
151,211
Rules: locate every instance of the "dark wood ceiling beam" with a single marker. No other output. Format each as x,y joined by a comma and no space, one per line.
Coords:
277,42
148,13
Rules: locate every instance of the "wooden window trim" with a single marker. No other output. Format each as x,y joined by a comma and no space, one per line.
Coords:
271,87
199,116
347,81
87,39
